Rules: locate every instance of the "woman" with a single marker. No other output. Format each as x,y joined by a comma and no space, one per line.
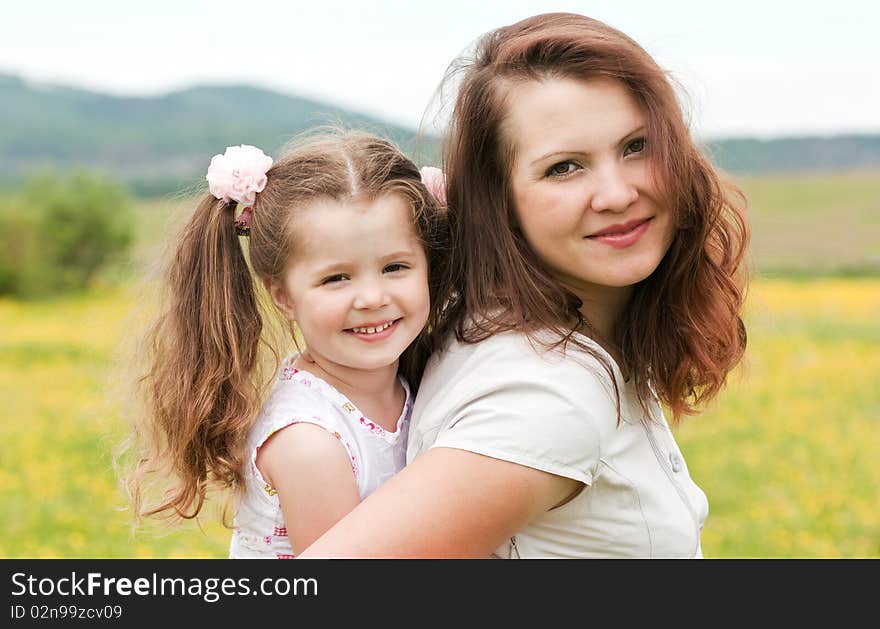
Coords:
594,275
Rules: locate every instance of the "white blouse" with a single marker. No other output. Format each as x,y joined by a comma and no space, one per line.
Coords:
504,399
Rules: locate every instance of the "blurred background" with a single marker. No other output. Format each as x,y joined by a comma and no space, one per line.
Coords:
109,116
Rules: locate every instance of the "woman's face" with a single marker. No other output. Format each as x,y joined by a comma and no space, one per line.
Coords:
582,185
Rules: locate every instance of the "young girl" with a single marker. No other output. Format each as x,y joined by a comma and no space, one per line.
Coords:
340,231
595,276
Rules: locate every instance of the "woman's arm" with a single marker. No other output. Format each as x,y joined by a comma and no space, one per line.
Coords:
446,503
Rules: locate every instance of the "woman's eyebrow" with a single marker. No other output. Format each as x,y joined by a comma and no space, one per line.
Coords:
622,139
552,153
639,129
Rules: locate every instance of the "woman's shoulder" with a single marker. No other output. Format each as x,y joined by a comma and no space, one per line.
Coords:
516,361
516,351
511,398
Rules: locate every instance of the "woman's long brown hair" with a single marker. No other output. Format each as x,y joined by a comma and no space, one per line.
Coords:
681,333
202,385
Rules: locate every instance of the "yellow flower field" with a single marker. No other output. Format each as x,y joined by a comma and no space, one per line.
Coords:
787,455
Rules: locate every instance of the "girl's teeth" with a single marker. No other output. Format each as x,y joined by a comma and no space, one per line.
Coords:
371,330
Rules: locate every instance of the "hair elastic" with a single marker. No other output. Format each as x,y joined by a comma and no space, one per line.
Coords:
238,175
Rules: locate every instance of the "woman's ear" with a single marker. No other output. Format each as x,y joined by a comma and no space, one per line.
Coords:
280,298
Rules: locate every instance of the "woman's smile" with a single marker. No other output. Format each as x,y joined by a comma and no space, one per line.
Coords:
622,236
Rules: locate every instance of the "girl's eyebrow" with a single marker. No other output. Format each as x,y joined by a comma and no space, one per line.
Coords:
338,266
622,140
403,253
331,268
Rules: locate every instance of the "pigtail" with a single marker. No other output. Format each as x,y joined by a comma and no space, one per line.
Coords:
199,389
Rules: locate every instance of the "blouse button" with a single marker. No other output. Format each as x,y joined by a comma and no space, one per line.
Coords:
675,460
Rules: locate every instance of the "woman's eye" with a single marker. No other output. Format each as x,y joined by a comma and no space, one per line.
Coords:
333,278
391,268
561,169
636,146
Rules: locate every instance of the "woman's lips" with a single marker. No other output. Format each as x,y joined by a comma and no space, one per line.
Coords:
621,236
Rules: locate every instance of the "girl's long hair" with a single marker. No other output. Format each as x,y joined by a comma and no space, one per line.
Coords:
205,375
681,333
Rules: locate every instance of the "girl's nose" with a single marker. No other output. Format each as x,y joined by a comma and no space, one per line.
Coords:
370,295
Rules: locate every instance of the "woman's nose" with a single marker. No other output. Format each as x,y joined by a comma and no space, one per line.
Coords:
613,191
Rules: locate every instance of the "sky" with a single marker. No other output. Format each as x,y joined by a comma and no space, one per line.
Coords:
763,68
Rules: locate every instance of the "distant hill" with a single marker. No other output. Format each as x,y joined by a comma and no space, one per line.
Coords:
163,144
843,152
160,144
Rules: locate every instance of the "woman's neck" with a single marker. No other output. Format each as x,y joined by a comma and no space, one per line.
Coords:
602,309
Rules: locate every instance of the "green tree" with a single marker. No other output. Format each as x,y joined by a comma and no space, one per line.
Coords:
18,248
61,232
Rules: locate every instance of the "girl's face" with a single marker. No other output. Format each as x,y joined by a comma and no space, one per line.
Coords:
582,186
357,285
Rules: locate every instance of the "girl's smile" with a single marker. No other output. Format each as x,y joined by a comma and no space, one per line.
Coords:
374,332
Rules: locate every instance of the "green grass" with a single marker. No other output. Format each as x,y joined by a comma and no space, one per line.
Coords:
815,224
57,483
787,455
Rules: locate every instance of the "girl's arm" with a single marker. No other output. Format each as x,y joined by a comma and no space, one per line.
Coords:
311,471
446,503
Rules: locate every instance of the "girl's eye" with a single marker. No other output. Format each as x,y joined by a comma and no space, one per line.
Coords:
561,169
333,278
636,146
391,268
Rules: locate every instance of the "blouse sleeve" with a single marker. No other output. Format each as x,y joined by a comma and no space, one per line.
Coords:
531,410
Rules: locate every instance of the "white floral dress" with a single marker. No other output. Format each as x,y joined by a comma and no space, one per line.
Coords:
301,397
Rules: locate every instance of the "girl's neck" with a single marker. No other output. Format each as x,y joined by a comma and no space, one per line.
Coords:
377,383
369,390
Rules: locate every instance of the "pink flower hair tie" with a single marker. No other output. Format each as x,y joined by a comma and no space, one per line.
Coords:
238,175
435,182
